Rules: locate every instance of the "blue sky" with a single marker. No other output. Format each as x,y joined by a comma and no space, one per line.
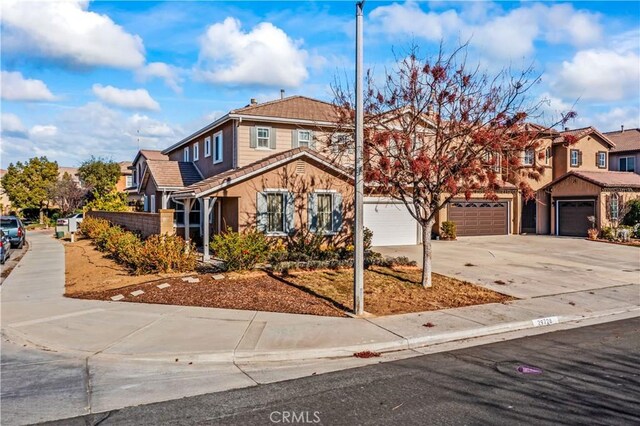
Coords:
82,78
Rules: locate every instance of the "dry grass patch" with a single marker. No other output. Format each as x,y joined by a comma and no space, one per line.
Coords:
395,290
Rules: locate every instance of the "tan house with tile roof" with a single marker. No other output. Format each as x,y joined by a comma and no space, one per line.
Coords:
625,157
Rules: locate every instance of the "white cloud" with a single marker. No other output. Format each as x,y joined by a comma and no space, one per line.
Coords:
130,99
39,131
94,129
12,125
169,73
493,31
612,120
67,31
263,56
600,75
14,87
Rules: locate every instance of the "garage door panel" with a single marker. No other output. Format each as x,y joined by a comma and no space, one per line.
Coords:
479,218
572,217
391,224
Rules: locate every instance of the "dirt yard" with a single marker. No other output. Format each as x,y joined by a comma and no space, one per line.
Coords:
90,275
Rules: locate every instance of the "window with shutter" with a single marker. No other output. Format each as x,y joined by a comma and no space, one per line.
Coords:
574,155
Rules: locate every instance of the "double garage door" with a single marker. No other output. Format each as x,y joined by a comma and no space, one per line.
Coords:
479,217
573,217
392,224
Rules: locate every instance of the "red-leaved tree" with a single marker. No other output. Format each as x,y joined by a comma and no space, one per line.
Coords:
436,129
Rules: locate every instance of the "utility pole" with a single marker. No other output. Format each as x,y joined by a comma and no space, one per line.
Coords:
358,267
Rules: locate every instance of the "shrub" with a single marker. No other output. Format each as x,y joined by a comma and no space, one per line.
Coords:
166,253
92,227
592,233
240,250
632,218
608,233
367,238
448,230
305,245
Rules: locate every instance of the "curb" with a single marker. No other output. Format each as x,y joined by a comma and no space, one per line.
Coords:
400,344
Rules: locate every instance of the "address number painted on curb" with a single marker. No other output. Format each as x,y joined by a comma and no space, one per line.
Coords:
544,321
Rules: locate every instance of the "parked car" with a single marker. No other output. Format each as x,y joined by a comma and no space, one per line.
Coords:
13,227
65,221
5,247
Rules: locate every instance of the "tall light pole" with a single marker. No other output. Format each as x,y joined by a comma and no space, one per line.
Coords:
358,268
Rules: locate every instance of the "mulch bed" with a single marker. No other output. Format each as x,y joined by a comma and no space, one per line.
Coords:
633,243
256,292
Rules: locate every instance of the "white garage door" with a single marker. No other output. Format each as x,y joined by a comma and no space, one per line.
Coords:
391,223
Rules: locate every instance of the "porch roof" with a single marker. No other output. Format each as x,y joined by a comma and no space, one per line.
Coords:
232,177
172,174
605,179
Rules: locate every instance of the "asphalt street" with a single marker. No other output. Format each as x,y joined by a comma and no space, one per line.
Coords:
589,375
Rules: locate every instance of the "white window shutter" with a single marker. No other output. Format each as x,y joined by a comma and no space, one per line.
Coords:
261,211
289,212
312,212
337,212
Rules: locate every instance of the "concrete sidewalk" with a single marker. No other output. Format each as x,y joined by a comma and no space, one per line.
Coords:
118,349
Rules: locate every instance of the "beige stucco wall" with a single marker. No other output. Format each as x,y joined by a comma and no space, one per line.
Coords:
589,146
292,178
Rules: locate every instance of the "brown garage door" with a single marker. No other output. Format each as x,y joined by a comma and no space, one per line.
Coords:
572,217
479,217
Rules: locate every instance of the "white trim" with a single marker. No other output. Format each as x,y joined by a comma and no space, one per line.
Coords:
207,143
263,118
186,153
215,147
592,200
196,151
268,129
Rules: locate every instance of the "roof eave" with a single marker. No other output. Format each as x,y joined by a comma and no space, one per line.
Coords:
196,134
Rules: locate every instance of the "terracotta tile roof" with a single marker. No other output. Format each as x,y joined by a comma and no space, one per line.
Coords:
124,167
582,132
293,107
173,174
628,140
603,179
259,167
150,154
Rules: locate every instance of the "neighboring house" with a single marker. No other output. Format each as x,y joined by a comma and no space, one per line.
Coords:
625,157
126,184
71,171
5,203
582,185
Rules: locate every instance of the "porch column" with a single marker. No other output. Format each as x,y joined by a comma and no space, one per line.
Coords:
202,202
207,205
165,200
187,210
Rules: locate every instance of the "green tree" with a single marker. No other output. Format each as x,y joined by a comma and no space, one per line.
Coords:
27,185
113,201
99,175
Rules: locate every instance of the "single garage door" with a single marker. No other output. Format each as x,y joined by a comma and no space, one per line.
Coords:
479,217
391,224
572,217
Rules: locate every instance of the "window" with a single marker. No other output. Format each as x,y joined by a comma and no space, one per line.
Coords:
152,207
196,151
304,138
325,210
262,134
627,164
529,156
614,207
185,154
341,143
217,148
129,181
207,146
547,155
602,159
178,218
574,158
275,212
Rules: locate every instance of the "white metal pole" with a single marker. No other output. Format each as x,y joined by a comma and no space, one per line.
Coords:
358,270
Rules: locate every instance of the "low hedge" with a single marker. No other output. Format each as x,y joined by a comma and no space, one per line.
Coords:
158,253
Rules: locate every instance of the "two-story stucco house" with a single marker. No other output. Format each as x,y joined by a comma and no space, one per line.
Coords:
583,192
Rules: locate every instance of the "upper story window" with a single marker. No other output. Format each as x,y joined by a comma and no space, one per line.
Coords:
185,154
196,152
627,164
262,137
207,146
217,148
304,138
601,160
575,158
129,181
529,157
547,155
341,143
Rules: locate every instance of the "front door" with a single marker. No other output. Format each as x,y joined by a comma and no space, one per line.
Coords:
529,217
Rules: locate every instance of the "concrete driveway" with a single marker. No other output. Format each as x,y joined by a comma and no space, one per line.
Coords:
528,266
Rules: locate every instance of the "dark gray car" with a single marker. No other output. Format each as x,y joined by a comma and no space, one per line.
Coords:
13,227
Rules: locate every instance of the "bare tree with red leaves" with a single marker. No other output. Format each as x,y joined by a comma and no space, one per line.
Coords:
438,129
